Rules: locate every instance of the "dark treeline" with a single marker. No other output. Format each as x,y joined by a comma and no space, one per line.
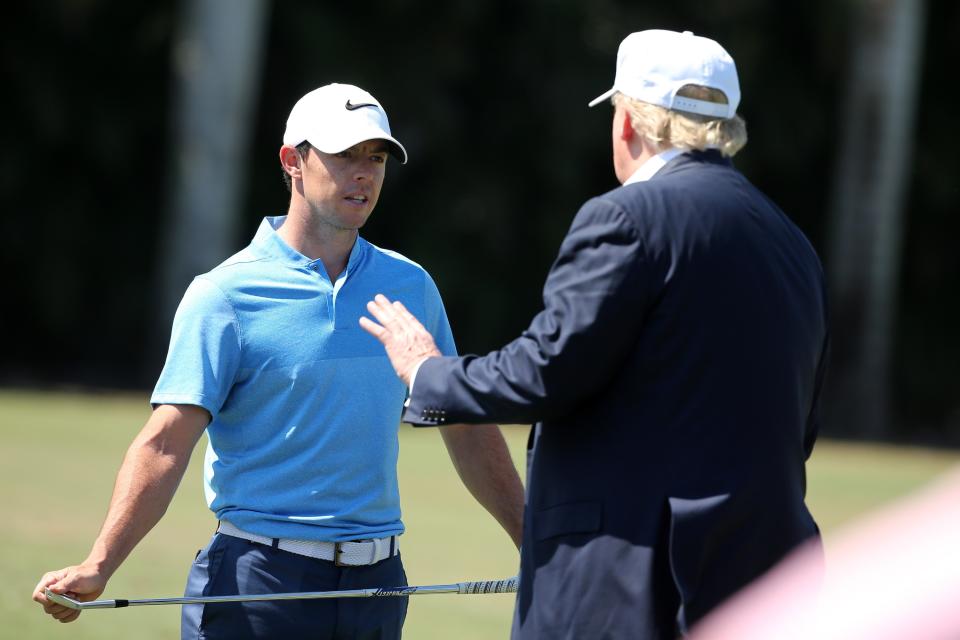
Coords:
490,100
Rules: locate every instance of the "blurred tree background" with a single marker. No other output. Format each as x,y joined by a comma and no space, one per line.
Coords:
490,100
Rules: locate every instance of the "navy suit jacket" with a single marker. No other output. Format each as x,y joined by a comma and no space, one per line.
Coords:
674,375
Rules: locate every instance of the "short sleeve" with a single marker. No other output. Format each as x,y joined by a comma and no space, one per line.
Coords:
436,320
204,354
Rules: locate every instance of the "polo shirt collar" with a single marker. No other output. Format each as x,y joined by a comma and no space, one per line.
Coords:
268,243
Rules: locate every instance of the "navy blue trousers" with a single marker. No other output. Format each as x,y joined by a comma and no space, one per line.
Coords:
229,566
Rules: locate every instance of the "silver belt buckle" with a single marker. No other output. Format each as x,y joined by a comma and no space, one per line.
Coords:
337,552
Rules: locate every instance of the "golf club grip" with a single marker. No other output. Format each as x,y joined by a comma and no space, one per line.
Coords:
509,585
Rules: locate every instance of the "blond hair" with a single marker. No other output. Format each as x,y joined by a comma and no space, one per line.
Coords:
665,128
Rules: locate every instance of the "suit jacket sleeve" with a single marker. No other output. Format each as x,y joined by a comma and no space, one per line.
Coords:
594,300
813,419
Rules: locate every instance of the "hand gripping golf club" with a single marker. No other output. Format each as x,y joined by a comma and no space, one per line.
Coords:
484,586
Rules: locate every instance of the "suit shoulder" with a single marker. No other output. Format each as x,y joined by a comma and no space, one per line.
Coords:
631,196
627,203
615,199
686,188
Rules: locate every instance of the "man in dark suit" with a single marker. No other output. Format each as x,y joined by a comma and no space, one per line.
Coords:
674,371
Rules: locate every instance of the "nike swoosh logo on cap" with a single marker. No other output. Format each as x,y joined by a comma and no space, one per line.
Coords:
350,106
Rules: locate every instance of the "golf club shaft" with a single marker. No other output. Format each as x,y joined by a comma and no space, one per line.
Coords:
485,586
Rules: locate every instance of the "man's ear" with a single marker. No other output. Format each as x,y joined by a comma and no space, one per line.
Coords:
290,161
626,128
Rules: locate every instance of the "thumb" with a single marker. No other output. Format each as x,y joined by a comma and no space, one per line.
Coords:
69,581
62,585
80,582
50,580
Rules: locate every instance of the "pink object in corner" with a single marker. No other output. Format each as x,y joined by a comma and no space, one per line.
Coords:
893,575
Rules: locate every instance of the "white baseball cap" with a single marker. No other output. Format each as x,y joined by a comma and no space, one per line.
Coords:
652,65
336,117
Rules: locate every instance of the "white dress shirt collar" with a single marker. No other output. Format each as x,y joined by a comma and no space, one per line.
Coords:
649,168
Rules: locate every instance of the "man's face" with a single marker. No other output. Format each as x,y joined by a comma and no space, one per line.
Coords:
342,188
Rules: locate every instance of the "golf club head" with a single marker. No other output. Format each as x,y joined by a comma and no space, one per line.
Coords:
61,599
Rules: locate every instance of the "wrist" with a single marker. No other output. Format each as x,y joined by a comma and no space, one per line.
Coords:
99,562
414,370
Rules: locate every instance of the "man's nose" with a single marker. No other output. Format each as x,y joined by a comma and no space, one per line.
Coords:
363,171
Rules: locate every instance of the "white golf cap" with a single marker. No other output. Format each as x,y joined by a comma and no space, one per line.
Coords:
652,65
336,117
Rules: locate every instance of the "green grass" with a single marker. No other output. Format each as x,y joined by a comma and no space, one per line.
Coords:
846,479
60,453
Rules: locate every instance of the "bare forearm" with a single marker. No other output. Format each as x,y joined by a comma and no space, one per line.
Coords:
147,480
482,460
145,484
144,488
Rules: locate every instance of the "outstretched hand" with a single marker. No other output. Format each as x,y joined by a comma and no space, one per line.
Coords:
407,342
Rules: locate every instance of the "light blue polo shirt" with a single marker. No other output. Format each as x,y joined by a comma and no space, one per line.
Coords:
305,404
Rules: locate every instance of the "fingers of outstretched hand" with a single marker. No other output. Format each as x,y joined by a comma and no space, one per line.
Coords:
405,316
394,319
382,309
398,327
373,328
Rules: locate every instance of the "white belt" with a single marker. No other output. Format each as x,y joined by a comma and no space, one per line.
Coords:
352,553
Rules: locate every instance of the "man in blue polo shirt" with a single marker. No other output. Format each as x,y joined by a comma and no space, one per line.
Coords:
301,407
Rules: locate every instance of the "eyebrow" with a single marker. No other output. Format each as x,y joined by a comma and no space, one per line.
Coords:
380,147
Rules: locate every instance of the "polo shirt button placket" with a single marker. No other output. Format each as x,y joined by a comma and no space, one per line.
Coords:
328,295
